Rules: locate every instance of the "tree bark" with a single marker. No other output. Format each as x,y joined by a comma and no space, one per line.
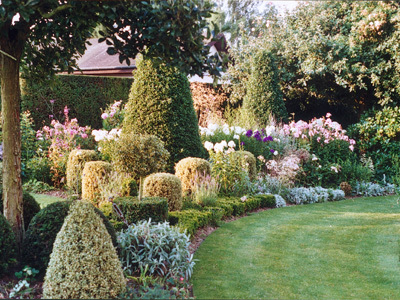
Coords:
10,102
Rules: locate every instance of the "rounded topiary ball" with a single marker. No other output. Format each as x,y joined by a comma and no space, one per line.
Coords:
164,185
248,162
42,232
8,246
94,174
29,205
84,263
189,169
76,161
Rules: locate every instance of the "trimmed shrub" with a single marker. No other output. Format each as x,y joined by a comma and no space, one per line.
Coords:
76,161
86,96
93,174
84,263
264,97
139,155
159,247
8,246
188,169
266,200
190,220
238,206
133,210
29,207
164,185
248,162
129,187
42,232
160,103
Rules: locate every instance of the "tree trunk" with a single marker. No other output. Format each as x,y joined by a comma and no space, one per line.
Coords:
10,102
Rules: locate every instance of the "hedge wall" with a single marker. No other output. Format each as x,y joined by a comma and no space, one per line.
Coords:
85,96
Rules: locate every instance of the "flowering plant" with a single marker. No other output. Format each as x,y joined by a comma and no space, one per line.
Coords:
229,171
113,115
63,138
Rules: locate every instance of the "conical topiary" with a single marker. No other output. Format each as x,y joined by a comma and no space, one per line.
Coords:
160,103
84,263
264,97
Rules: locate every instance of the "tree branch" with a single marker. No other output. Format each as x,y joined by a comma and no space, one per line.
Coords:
8,55
55,11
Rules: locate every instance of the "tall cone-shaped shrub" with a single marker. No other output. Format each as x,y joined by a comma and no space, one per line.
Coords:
264,97
160,103
84,264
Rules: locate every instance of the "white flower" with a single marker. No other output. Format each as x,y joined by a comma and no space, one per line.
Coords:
99,135
231,144
212,127
333,168
314,157
208,145
225,129
276,153
244,198
269,129
224,143
219,147
236,137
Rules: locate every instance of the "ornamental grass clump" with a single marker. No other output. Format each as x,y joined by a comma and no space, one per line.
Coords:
188,169
160,247
76,161
84,263
139,155
205,190
166,186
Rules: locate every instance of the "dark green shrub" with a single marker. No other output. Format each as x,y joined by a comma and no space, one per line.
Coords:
30,206
266,201
252,203
38,167
160,103
238,206
85,96
133,210
8,246
264,97
42,232
190,220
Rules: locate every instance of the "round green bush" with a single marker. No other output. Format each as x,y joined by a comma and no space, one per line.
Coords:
84,263
76,161
248,161
30,207
42,232
8,246
166,186
160,103
188,169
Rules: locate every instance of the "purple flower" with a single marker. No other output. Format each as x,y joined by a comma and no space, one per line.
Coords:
52,101
268,139
249,133
242,143
257,135
272,151
51,116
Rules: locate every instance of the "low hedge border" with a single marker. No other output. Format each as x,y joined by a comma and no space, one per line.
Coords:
193,217
133,210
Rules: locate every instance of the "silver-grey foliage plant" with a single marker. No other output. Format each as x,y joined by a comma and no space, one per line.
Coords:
160,247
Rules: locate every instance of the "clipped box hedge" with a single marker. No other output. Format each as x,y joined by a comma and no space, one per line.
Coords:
191,219
133,210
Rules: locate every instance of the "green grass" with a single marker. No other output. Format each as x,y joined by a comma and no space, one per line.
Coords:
336,250
45,200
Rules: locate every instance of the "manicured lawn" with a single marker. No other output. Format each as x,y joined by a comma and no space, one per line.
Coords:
45,200
341,250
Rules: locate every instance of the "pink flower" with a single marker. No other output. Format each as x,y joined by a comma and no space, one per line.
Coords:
351,147
104,116
84,135
328,115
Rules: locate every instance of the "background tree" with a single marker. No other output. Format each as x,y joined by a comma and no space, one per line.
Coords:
50,34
